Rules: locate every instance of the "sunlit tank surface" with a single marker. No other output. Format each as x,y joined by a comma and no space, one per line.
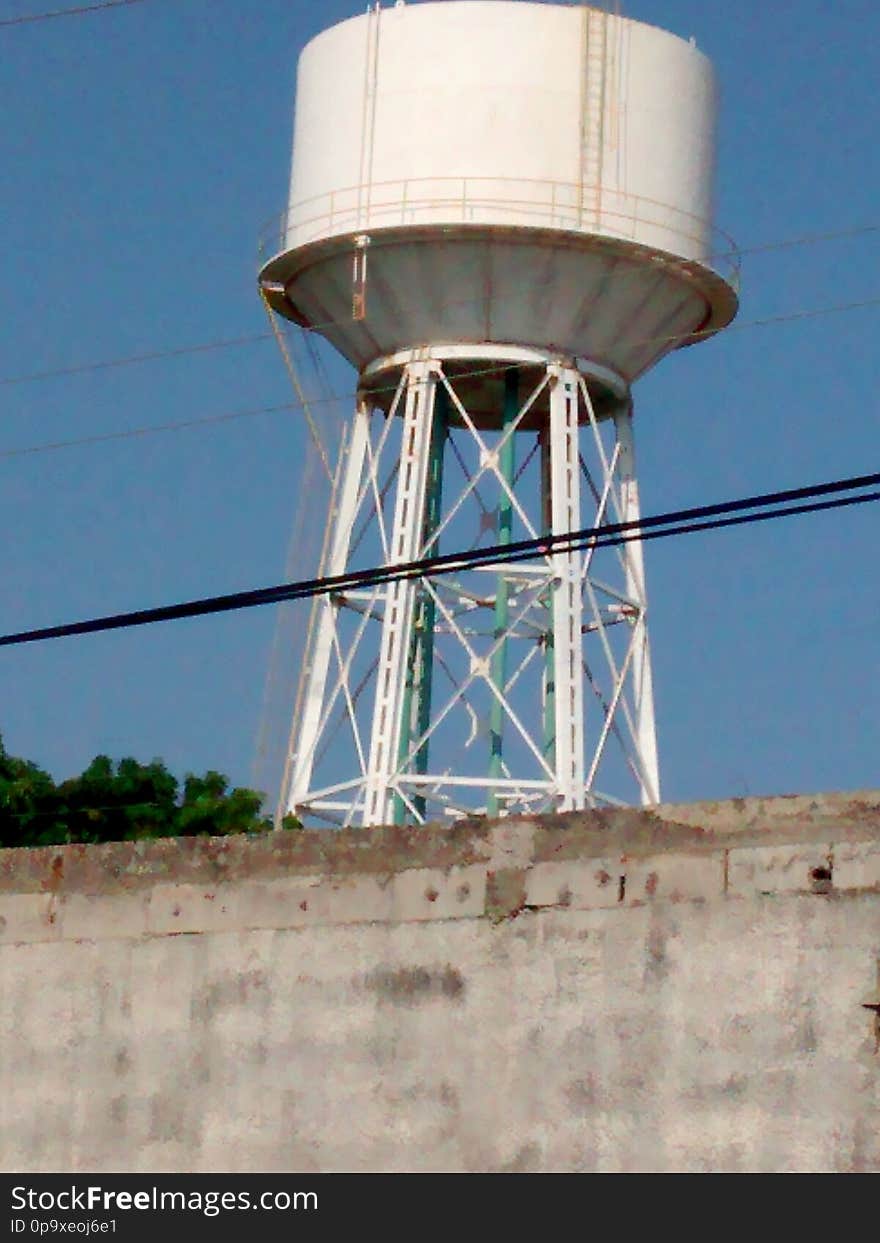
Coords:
508,181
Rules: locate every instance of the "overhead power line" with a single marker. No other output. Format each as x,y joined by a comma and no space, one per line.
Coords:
635,274
333,398
132,432
803,239
129,360
769,506
698,334
811,239
80,11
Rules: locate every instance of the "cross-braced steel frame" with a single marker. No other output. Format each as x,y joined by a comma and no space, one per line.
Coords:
511,687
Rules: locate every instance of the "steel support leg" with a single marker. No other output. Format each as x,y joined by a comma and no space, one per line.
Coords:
548,685
642,682
401,679
400,597
420,670
568,694
308,737
506,470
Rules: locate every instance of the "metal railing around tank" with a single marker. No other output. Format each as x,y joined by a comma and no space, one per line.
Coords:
487,200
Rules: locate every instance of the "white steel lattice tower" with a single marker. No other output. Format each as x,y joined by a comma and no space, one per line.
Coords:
500,214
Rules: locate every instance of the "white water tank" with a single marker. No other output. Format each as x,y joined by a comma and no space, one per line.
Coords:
515,173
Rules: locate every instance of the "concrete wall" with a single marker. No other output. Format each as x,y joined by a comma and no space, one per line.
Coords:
677,990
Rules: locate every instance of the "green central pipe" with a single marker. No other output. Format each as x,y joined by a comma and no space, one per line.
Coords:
416,712
498,671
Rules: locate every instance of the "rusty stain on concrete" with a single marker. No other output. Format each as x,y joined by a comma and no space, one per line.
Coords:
384,852
505,893
610,989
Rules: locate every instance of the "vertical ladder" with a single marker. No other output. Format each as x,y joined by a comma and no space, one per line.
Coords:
594,71
365,171
368,115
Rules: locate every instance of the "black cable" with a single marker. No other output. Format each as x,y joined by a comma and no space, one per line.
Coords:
495,369
80,11
107,364
312,329
676,522
132,433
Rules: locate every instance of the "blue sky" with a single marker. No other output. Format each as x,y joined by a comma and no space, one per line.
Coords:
144,148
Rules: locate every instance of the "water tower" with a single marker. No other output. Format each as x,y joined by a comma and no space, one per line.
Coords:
500,214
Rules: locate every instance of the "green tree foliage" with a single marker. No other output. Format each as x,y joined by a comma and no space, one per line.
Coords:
121,801
210,807
27,802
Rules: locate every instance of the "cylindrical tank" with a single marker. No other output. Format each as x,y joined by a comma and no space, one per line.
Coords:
500,172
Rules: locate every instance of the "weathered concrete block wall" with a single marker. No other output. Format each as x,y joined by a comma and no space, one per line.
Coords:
676,990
